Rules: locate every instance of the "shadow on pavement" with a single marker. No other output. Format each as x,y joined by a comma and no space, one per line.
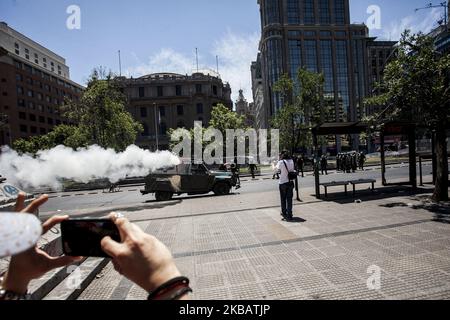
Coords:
379,194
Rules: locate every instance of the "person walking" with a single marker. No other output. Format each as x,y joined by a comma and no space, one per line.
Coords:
253,169
301,164
324,164
362,161
286,184
235,172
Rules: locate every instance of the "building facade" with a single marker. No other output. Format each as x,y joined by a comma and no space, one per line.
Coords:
316,35
243,108
261,113
165,100
34,83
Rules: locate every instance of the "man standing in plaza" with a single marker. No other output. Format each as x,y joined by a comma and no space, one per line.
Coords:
286,185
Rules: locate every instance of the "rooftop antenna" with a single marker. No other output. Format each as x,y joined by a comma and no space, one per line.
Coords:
440,5
120,65
196,57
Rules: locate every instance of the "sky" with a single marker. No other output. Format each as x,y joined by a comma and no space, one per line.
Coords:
161,36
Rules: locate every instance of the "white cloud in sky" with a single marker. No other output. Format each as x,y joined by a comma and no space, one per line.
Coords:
235,51
415,23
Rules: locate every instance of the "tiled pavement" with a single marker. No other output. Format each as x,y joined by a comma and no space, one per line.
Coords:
251,254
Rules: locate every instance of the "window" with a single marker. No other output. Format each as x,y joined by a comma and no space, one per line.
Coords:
5,94
146,131
17,52
21,103
310,33
160,90
294,33
178,90
33,129
163,129
339,12
309,12
50,121
293,12
295,56
324,12
58,122
19,77
30,93
23,128
214,89
341,33
31,105
42,131
199,108
29,81
198,88
28,68
48,99
41,119
22,116
311,55
141,92
143,112
16,45
180,124
32,117
325,33
162,111
180,110
272,12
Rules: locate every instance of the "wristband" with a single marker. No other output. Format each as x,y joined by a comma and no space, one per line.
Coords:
171,290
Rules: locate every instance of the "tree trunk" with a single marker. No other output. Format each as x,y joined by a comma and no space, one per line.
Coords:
441,188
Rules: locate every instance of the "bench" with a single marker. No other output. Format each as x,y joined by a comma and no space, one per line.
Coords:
334,184
354,183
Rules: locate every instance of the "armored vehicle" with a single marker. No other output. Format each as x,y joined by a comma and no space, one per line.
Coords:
192,179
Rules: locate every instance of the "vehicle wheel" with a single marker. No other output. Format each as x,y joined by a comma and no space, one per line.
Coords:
163,196
221,189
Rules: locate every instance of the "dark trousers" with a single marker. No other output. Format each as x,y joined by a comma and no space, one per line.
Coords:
286,195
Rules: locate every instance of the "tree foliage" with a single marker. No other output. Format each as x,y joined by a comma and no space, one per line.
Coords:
302,109
101,119
416,88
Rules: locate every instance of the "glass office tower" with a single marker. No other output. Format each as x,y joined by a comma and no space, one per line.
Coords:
316,35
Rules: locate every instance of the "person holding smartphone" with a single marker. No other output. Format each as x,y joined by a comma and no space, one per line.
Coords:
140,257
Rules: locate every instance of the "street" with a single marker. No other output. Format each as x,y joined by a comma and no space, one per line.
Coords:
131,197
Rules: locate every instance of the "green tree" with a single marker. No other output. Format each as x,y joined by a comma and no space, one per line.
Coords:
416,88
101,114
302,109
223,118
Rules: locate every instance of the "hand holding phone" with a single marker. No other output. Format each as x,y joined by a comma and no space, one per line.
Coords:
82,237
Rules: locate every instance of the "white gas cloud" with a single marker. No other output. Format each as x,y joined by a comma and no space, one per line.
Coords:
235,51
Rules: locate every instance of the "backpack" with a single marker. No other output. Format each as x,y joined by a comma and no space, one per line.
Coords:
292,175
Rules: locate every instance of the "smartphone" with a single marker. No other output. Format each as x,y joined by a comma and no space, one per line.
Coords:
82,237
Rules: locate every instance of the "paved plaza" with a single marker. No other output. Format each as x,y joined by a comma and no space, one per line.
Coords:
237,247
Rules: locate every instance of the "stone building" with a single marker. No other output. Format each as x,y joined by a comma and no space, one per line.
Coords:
166,100
34,82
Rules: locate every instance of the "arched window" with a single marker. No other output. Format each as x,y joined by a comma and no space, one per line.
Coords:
180,124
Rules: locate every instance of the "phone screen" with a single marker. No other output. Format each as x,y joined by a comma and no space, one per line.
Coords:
82,237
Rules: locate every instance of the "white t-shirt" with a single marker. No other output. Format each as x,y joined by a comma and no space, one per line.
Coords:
284,178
